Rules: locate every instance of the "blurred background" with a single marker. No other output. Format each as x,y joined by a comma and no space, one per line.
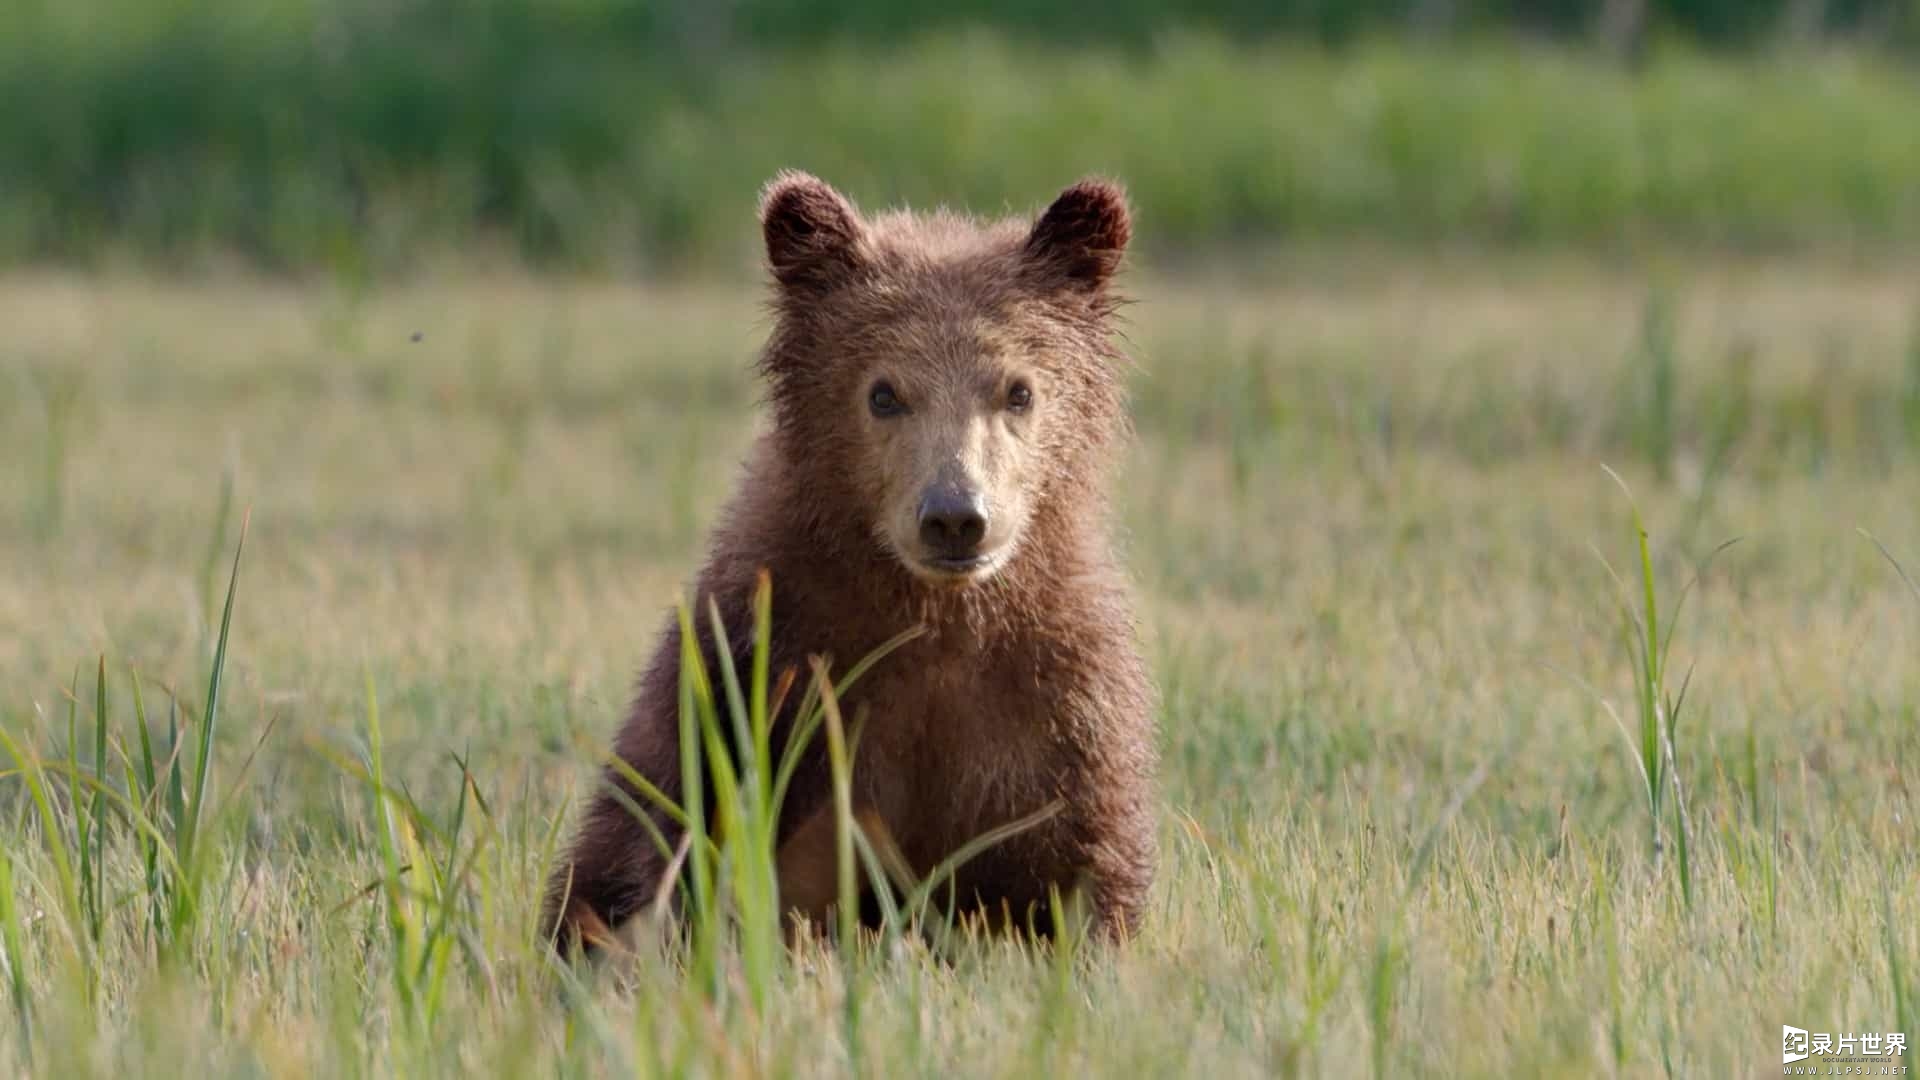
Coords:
370,135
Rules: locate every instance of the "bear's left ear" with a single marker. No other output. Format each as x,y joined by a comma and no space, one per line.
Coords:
1078,242
812,232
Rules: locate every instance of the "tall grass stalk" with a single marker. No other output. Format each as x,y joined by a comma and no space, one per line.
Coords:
88,791
1904,1015
216,545
1913,587
846,885
192,811
13,957
1657,707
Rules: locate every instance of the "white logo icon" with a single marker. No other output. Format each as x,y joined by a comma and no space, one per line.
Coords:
1794,1044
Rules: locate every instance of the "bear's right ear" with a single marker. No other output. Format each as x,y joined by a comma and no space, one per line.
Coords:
812,232
1078,242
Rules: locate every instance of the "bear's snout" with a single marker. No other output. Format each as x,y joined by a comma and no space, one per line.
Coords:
953,521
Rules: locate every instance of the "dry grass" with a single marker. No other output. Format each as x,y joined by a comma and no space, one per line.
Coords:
1363,509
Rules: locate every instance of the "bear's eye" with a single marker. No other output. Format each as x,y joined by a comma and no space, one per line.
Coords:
1020,397
883,401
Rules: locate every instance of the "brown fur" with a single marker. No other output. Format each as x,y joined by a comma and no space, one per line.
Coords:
1028,684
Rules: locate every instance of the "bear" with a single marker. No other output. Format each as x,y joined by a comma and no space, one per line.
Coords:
947,401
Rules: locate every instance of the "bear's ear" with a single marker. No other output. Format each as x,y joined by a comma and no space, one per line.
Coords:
812,232
1078,242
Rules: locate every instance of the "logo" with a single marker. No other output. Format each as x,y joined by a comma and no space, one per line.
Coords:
1796,1044
1864,1053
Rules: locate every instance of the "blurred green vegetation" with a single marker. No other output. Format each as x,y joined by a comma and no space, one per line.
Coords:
302,133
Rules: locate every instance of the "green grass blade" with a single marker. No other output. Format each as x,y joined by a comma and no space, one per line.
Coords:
652,794
757,701
209,724
216,543
1632,633
882,879
1903,1006
807,719
176,790
944,870
1680,603
1430,840
82,842
98,903
1773,867
1650,648
13,957
880,652
149,781
700,905
800,735
736,701
840,764
34,776
1912,586
394,913
245,770
149,786
444,883
149,855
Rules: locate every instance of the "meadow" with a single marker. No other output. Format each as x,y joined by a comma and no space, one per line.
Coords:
367,138
1408,822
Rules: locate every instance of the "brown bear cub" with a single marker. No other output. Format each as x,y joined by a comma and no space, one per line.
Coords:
946,402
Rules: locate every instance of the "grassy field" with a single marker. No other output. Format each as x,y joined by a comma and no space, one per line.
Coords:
1367,513
347,136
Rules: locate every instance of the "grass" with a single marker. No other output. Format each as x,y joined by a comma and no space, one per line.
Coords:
1363,511
359,138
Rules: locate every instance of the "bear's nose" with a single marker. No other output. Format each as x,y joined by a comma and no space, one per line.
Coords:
952,523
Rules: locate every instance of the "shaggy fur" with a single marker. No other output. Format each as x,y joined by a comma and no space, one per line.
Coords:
1028,684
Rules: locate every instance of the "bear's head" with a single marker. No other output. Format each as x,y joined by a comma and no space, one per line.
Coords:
944,388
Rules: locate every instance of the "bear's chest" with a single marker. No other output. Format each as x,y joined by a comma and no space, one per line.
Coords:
955,746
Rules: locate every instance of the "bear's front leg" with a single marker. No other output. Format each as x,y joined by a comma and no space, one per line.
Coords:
613,870
1122,854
